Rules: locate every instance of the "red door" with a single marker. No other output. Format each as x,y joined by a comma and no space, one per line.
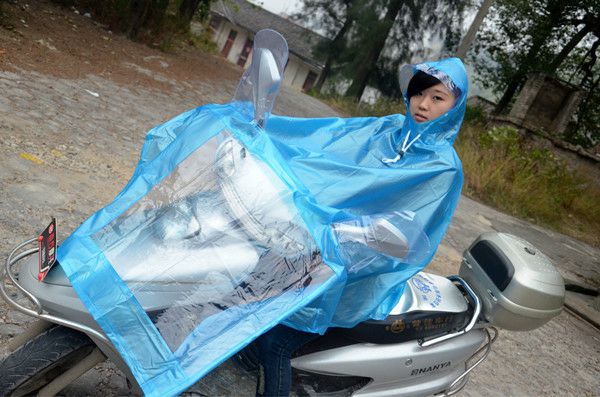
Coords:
229,43
310,81
245,53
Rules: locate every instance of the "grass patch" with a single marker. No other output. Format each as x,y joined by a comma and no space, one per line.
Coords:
173,36
504,171
203,41
172,42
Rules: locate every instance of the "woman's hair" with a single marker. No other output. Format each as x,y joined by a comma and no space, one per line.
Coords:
419,83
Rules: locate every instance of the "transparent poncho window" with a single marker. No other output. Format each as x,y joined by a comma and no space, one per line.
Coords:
236,220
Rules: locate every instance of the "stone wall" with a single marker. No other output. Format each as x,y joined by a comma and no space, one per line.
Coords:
545,103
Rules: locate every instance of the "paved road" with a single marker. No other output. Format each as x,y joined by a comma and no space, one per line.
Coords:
65,152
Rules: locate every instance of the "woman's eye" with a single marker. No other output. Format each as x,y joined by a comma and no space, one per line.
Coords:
438,98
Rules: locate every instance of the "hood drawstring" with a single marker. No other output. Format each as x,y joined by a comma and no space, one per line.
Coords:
402,150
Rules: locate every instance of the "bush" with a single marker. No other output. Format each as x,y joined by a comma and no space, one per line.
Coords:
203,41
475,114
137,19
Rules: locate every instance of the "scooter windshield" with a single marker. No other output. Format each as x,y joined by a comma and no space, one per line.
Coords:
226,229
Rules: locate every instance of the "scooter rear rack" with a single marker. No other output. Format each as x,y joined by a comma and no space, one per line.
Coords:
19,253
474,318
461,381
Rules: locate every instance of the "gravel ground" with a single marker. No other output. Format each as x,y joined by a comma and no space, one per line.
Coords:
75,102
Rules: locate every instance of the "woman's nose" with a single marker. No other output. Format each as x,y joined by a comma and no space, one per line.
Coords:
424,103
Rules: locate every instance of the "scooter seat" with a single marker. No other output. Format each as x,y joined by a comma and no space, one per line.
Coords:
407,326
430,306
394,329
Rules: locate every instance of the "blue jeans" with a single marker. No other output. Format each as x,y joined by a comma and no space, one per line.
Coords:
275,349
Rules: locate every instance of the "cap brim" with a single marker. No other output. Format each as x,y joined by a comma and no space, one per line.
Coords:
405,74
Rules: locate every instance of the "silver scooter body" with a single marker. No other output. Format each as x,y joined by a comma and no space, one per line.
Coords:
404,369
393,369
407,368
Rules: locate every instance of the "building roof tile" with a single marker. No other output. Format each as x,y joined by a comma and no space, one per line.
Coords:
301,41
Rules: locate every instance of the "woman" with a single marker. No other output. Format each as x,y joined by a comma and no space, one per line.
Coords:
435,96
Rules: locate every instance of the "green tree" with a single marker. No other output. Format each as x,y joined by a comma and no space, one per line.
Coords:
335,19
189,8
556,37
583,69
371,37
375,31
527,36
144,19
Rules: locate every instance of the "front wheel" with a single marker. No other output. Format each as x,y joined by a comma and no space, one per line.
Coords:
36,363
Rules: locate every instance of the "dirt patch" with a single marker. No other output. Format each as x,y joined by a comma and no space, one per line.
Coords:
39,36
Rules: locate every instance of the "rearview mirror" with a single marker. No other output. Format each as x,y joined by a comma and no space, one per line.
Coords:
255,94
266,80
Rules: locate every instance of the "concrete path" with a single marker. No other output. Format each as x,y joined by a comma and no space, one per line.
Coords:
65,152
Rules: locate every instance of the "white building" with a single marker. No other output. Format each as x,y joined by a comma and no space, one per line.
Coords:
234,24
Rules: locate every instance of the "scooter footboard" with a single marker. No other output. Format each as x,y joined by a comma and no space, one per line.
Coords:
404,369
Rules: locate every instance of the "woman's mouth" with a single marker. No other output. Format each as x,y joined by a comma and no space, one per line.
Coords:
420,118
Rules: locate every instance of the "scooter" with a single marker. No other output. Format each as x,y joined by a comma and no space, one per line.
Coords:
439,331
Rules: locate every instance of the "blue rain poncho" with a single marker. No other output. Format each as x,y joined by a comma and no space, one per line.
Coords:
235,220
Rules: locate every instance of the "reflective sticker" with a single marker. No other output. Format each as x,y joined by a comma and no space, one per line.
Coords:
428,290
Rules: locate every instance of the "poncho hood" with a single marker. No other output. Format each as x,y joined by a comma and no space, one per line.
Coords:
451,72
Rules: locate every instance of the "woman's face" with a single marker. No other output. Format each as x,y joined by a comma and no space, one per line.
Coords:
431,103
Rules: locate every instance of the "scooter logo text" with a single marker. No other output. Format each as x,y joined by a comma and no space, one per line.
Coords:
425,370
